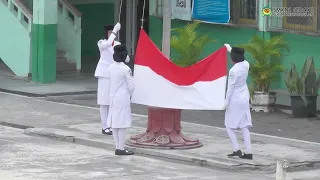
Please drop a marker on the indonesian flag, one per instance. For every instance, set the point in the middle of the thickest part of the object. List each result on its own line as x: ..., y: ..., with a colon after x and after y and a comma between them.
x: 160, y: 83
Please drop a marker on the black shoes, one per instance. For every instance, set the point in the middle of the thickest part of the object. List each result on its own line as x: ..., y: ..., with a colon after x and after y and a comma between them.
x: 239, y: 154
x: 107, y: 131
x: 246, y: 156
x: 123, y: 152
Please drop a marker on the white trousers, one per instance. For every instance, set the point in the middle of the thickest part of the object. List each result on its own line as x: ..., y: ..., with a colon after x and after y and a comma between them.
x: 104, y: 111
x: 246, y: 138
x: 119, y: 136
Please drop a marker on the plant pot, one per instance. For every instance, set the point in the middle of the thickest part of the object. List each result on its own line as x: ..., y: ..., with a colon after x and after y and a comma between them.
x: 263, y: 101
x: 301, y: 109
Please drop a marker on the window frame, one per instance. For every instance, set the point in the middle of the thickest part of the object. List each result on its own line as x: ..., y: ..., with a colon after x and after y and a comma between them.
x: 159, y: 3
x: 300, y: 27
x: 246, y: 21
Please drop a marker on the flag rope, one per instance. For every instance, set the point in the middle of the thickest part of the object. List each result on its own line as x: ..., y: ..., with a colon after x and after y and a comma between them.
x: 143, y: 11
x: 120, y: 10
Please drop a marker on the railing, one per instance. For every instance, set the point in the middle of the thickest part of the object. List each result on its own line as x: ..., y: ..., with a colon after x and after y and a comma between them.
x: 69, y: 31
x: 22, y: 13
x: 70, y: 12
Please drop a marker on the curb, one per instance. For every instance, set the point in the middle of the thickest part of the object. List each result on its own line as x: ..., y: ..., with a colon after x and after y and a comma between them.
x: 18, y: 126
x: 138, y: 151
x: 48, y: 94
x: 214, y: 164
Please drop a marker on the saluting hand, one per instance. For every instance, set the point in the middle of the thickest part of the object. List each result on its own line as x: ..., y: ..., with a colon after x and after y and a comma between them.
x: 117, y: 28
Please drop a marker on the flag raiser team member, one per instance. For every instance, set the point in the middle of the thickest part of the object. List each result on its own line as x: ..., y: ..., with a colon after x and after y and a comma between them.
x: 106, y: 52
x: 121, y: 89
x: 237, y: 102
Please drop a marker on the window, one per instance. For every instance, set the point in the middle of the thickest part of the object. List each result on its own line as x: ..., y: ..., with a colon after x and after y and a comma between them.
x: 244, y: 12
x: 159, y: 8
x: 301, y: 23
x: 248, y: 11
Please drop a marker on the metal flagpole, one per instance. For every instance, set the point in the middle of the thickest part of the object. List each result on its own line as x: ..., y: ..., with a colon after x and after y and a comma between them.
x: 166, y: 32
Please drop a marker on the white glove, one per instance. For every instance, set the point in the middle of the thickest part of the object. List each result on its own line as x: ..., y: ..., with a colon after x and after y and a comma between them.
x: 228, y: 47
x: 225, y: 106
x: 127, y: 59
x: 116, y: 28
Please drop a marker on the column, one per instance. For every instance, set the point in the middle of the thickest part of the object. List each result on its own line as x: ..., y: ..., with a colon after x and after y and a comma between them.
x: 44, y: 41
x: 262, y: 20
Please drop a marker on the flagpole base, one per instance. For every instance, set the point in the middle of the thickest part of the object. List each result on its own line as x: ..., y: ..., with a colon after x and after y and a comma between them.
x: 163, y: 131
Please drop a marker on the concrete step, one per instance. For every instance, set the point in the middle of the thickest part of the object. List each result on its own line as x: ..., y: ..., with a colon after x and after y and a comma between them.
x: 61, y: 54
x: 63, y: 65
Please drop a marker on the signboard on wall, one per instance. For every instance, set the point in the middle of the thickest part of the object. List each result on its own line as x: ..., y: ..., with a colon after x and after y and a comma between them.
x: 212, y: 11
x: 181, y: 9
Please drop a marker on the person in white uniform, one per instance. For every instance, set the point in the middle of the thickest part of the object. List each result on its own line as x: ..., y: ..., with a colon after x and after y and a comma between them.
x: 237, y: 105
x: 106, y: 52
x: 121, y: 89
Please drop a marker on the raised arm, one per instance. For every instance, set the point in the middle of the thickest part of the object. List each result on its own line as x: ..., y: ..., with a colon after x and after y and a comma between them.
x: 231, y: 83
x: 130, y: 81
x: 102, y: 44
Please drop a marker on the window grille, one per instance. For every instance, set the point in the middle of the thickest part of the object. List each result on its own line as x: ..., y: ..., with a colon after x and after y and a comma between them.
x: 295, y: 16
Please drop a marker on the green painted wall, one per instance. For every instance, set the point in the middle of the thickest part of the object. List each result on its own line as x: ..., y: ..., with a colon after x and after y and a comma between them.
x: 28, y: 4
x: 301, y: 47
x: 95, y: 16
x: 44, y: 41
x: 44, y: 53
x: 14, y: 43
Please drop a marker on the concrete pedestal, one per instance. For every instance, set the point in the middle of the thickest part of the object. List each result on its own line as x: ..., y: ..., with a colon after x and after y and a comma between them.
x: 163, y: 131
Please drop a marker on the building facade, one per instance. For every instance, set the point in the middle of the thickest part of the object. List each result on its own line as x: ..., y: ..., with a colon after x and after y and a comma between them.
x: 42, y: 38
x: 302, y: 34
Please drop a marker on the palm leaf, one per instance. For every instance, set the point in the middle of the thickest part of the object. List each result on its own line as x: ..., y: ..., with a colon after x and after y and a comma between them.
x: 266, y: 65
x: 188, y: 44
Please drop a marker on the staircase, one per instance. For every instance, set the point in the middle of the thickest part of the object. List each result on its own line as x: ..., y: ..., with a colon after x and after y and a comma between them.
x: 15, y: 35
x: 63, y: 65
x: 68, y: 37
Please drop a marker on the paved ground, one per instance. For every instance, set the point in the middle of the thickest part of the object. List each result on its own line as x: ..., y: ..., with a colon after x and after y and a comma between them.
x: 30, y: 158
x: 84, y: 123
x: 275, y: 123
x: 65, y: 84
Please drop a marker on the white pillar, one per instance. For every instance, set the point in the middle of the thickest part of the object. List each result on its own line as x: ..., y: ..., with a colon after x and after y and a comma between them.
x: 166, y: 32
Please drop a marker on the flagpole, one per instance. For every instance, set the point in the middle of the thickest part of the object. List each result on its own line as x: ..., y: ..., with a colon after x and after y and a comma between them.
x: 164, y: 124
x: 166, y: 31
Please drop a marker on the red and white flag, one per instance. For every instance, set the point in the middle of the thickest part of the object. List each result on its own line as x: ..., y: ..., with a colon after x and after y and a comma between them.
x: 160, y: 83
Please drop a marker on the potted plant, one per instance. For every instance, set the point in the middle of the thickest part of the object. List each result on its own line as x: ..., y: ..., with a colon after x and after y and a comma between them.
x: 264, y: 69
x: 303, y: 89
